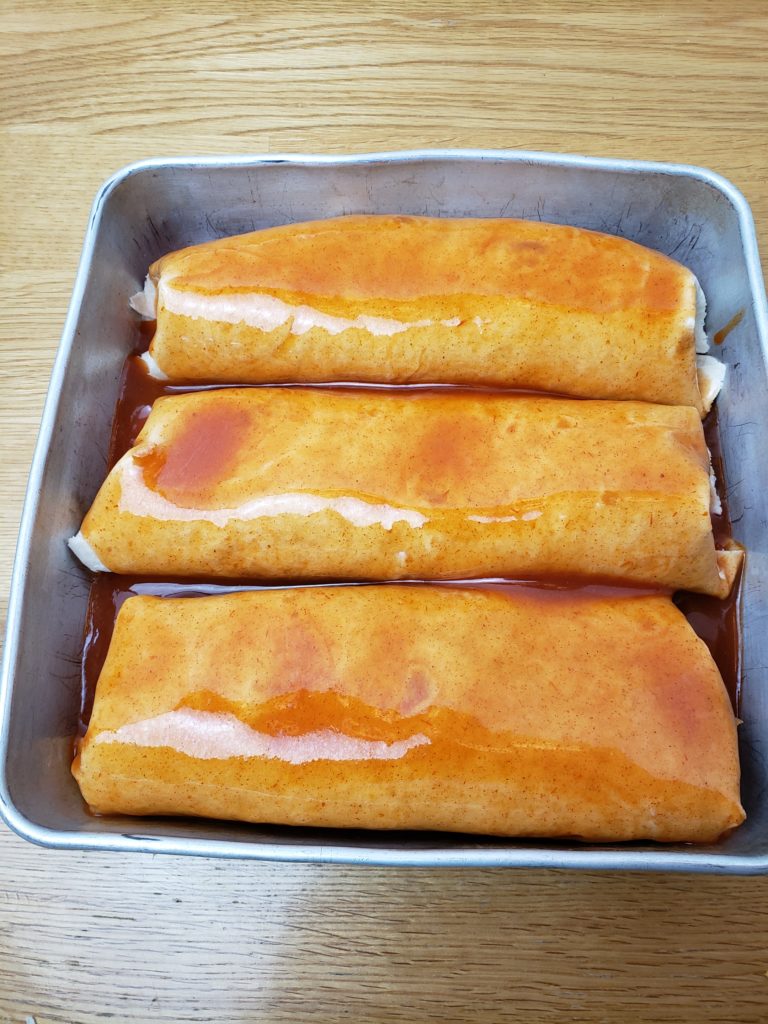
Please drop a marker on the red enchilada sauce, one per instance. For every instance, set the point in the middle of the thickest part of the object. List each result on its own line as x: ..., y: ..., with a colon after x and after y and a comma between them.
x: 723, y: 333
x: 715, y: 620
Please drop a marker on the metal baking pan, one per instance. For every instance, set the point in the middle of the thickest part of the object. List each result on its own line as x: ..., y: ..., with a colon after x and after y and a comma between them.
x: 152, y: 207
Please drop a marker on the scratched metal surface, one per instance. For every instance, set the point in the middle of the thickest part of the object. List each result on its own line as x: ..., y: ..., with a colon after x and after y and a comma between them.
x: 153, y: 207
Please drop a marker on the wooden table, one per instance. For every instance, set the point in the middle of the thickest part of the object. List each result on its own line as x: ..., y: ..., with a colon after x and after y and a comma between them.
x: 91, y: 86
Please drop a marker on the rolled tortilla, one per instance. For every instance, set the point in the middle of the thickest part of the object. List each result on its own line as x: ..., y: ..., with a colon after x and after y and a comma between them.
x: 364, y: 484
x: 393, y: 299
x: 519, y: 713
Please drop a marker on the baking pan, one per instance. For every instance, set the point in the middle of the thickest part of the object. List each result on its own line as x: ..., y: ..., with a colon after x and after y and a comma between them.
x: 152, y: 207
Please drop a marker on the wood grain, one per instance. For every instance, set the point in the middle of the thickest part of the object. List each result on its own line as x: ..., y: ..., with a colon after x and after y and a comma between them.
x: 91, y: 86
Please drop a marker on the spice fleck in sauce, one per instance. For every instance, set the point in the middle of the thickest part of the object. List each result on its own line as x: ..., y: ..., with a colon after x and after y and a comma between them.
x: 715, y: 621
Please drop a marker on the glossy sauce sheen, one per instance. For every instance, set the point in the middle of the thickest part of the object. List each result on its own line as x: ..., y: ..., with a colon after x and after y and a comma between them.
x: 416, y: 706
x: 359, y: 258
x: 270, y: 483
x: 404, y: 300
x: 715, y: 621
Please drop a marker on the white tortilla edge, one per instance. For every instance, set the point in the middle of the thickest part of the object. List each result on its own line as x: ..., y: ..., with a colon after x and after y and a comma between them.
x: 153, y: 369
x: 699, y: 334
x: 711, y: 374
x: 145, y: 302
x: 82, y: 550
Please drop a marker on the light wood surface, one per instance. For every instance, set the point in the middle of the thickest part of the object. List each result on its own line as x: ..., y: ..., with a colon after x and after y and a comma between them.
x: 88, y: 87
